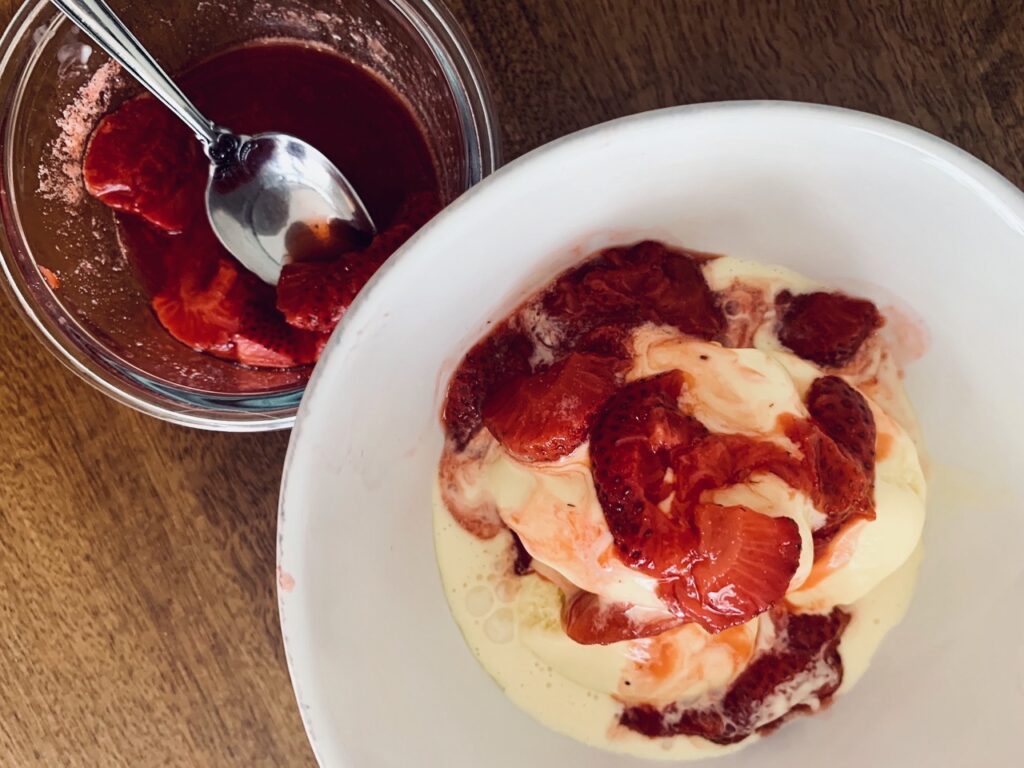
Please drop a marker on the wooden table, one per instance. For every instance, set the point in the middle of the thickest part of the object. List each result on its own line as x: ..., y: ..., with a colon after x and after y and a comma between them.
x: 138, y: 622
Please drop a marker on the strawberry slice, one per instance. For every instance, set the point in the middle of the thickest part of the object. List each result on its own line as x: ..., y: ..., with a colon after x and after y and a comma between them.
x: 844, y: 415
x: 745, y: 562
x: 548, y: 414
x: 682, y: 296
x: 310, y: 295
x: 197, y: 310
x: 502, y: 355
x: 314, y: 295
x: 844, y: 489
x: 264, y: 339
x: 144, y: 161
x: 632, y: 444
x: 269, y: 344
x: 591, y: 620
x: 625, y: 287
x: 841, y: 446
x: 826, y: 328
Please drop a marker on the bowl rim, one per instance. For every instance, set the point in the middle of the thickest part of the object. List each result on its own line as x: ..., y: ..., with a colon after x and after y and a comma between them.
x: 443, y: 37
x: 982, y: 177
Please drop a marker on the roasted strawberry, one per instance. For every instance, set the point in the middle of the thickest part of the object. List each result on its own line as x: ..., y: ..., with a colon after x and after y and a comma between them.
x: 844, y: 415
x: 632, y: 444
x: 844, y: 489
x: 199, y: 289
x: 265, y: 340
x: 838, y: 443
x: 277, y: 345
x: 826, y: 328
x: 310, y: 295
x: 547, y: 414
x: 143, y: 160
x: 504, y: 354
x: 745, y: 562
x: 624, y: 287
x: 198, y: 309
x: 682, y: 297
x: 314, y: 295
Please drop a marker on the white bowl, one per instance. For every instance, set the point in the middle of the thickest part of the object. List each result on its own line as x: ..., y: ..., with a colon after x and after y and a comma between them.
x: 380, y: 670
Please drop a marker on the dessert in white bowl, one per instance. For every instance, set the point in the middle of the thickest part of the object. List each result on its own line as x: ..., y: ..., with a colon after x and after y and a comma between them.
x: 680, y: 499
x: 382, y: 673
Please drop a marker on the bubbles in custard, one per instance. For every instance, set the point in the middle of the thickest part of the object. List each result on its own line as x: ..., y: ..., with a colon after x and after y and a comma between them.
x: 507, y: 590
x: 479, y: 601
x: 500, y: 627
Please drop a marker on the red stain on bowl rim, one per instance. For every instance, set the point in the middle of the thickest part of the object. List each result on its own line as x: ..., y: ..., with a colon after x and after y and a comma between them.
x: 285, y: 581
x: 908, y: 336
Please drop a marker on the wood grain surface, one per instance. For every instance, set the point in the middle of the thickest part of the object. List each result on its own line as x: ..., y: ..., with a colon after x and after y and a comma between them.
x: 138, y: 622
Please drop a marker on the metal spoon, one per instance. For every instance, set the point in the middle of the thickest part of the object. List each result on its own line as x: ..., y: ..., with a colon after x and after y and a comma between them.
x: 260, y: 186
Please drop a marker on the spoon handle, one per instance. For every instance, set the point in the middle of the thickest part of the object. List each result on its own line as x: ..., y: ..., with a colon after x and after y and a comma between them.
x: 96, y: 19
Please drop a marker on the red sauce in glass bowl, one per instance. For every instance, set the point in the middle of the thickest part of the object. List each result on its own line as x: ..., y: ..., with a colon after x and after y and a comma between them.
x: 146, y: 165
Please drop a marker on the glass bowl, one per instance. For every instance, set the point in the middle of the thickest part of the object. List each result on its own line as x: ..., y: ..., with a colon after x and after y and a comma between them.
x: 61, y: 259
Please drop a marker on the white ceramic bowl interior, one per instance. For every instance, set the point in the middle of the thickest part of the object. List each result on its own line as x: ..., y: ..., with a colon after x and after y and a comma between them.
x: 382, y: 675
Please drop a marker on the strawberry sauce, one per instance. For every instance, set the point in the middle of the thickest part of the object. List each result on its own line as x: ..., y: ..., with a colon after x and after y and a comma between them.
x: 551, y: 377
x: 148, y: 167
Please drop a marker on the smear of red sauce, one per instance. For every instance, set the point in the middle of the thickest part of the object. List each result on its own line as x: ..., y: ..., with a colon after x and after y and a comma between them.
x: 591, y: 620
x: 285, y: 581
x: 834, y: 555
x: 883, y: 445
x: 908, y: 335
x: 145, y: 164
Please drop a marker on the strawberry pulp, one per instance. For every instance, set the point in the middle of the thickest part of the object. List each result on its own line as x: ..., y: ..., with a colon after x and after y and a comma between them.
x: 146, y: 165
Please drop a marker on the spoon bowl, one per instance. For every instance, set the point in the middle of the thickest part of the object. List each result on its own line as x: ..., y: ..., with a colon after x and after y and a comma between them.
x: 265, y: 188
